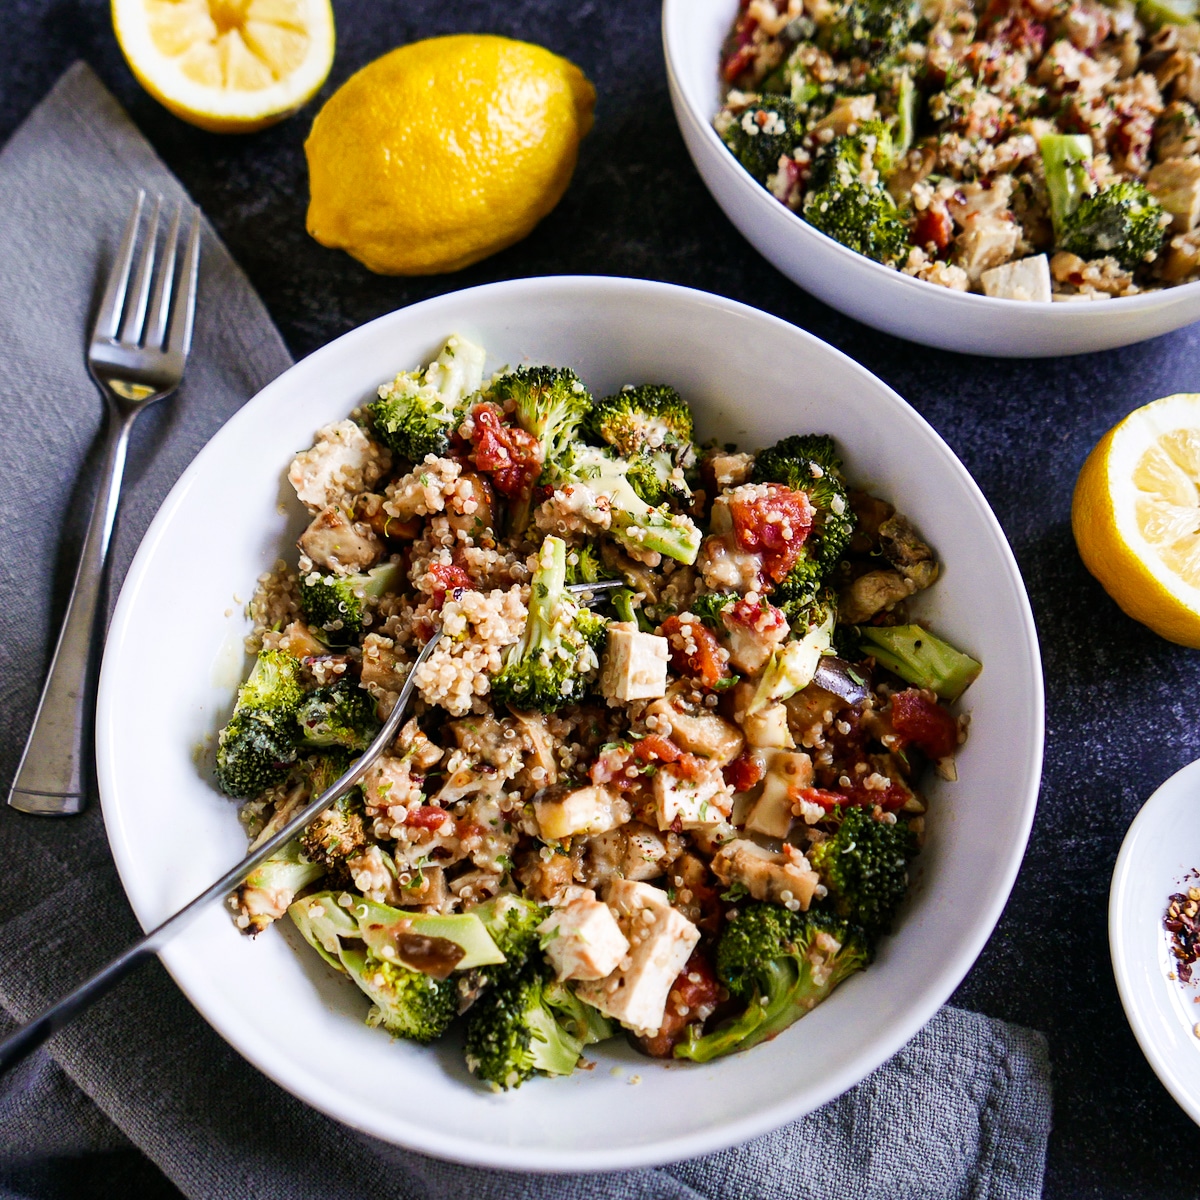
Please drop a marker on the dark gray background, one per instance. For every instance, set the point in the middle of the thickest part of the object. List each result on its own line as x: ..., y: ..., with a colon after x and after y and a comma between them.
x: 1120, y: 715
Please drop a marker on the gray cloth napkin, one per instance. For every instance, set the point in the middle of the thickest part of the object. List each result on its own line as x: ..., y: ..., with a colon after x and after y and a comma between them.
x: 962, y: 1111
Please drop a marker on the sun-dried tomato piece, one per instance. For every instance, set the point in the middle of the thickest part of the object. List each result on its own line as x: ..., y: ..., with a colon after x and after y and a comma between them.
x: 427, y: 816
x: 692, y: 997
x: 924, y: 722
x: 655, y: 748
x: 934, y: 227
x: 773, y: 523
x: 695, y: 651
x: 447, y: 578
x: 744, y: 772
x: 511, y: 456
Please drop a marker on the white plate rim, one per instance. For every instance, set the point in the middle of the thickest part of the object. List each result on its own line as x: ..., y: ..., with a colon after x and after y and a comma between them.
x: 458, y: 1149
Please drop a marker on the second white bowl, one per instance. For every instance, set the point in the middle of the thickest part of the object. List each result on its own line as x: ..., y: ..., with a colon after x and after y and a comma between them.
x: 693, y: 31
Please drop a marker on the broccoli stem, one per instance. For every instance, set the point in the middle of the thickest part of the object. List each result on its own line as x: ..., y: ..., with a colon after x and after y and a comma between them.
x: 920, y: 658
x: 1065, y: 158
x: 906, y: 115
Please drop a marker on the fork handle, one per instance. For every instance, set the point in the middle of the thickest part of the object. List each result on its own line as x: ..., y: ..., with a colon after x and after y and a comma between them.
x: 51, y: 780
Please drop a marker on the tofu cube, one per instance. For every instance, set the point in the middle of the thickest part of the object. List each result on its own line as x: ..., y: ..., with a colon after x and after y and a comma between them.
x: 336, y: 544
x: 582, y: 939
x: 1025, y: 279
x: 785, y: 878
x: 1175, y: 184
x: 563, y: 812
x: 690, y: 801
x: 661, y: 940
x: 788, y: 775
x: 635, y: 664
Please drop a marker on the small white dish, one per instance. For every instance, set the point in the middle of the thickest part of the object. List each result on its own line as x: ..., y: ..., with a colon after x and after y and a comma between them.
x: 693, y: 32
x: 174, y: 657
x: 1158, y: 856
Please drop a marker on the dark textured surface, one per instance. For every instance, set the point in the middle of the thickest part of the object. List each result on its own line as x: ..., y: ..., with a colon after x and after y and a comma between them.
x: 1120, y: 702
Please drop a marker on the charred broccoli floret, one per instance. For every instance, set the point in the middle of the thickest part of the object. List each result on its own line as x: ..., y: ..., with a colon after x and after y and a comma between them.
x: 710, y: 606
x: 417, y: 411
x: 1123, y: 222
x: 864, y: 865
x: 847, y: 199
x: 339, y: 714
x: 333, y: 605
x: 870, y: 29
x: 557, y: 658
x: 515, y: 1030
x: 920, y: 658
x: 639, y: 526
x: 809, y: 463
x: 763, y: 133
x: 338, y: 833
x: 782, y: 964
x: 257, y: 746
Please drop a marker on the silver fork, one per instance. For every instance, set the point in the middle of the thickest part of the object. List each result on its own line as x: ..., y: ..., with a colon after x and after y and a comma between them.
x: 136, y: 355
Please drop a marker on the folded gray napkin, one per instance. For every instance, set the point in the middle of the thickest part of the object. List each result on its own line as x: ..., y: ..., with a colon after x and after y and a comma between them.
x: 962, y: 1111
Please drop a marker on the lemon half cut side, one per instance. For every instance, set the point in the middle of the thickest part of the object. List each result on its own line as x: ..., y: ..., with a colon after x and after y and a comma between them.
x: 229, y: 66
x: 1136, y: 516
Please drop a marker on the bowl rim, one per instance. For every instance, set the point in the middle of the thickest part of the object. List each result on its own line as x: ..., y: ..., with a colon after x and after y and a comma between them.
x: 454, y: 1147
x: 1070, y: 312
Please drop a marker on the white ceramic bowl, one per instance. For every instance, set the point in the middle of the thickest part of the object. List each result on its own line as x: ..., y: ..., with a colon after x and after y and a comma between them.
x: 751, y: 378
x: 693, y: 32
x: 1160, y: 850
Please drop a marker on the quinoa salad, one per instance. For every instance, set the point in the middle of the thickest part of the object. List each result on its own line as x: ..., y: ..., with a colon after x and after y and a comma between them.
x: 661, y: 776
x: 1025, y: 149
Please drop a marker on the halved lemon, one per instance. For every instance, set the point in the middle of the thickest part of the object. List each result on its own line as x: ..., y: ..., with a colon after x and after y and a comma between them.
x: 1136, y: 516
x: 230, y: 66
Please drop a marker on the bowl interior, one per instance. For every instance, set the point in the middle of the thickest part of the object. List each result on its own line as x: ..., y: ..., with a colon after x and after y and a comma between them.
x: 751, y: 379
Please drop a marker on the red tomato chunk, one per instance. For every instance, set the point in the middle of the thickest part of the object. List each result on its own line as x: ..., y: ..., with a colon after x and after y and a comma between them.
x: 511, y: 456
x: 692, y: 997
x: 447, y: 578
x: 695, y: 652
x: 924, y: 722
x: 773, y: 526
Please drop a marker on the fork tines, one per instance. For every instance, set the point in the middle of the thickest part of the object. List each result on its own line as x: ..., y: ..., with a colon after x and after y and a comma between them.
x: 162, y: 321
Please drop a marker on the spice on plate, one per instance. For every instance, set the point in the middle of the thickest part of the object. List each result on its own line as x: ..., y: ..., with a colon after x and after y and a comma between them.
x: 1182, y: 922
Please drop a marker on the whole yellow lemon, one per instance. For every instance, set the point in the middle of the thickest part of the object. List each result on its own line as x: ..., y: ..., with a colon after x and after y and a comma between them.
x: 445, y: 151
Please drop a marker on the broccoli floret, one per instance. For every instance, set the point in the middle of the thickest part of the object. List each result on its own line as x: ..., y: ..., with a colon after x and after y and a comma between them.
x: 273, y: 884
x: 920, y: 658
x: 650, y: 428
x: 408, y: 1004
x: 870, y: 29
x: 639, y: 526
x: 417, y: 411
x: 783, y: 964
x: 1157, y: 13
x: 582, y: 1021
x: 809, y: 463
x: 513, y: 1031
x: 864, y: 864
x: 333, y: 605
x: 585, y: 566
x: 512, y: 922
x: 710, y: 606
x: 763, y: 133
x: 557, y: 658
x: 1124, y: 221
x: 863, y: 218
x: 338, y: 833
x: 339, y: 714
x: 636, y: 419
x: 257, y: 746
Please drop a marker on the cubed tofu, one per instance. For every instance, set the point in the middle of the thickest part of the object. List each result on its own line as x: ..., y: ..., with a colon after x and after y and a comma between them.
x: 987, y: 240
x: 582, y: 939
x: 335, y: 543
x: 1175, y: 184
x: 341, y: 462
x: 702, y: 732
x: 767, y: 729
x: 635, y: 851
x: 564, y: 812
x: 781, y: 878
x: 635, y: 664
x: 1025, y: 279
x: 692, y: 800
x: 661, y: 941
